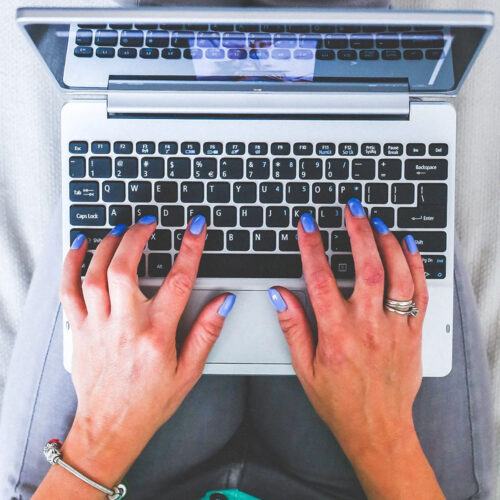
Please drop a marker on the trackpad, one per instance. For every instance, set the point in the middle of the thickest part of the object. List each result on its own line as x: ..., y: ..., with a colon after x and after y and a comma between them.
x: 251, y: 332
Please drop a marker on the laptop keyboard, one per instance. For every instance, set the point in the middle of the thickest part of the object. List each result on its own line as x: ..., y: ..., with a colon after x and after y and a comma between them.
x: 253, y: 194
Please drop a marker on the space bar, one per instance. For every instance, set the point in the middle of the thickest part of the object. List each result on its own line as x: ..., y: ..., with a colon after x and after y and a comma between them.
x: 230, y: 265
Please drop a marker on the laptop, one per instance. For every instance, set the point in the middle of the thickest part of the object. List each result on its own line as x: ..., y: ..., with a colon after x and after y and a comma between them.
x: 252, y: 117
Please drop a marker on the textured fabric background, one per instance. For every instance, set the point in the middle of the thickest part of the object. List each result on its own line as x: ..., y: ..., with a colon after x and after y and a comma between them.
x: 29, y: 171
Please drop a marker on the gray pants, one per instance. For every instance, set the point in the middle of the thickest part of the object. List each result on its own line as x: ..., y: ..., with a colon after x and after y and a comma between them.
x: 258, y: 434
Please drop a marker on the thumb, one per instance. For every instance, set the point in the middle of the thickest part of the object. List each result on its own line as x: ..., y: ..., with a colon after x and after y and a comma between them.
x: 203, y: 335
x: 295, y: 326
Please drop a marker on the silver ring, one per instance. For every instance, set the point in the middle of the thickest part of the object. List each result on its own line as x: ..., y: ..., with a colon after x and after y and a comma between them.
x: 403, y: 307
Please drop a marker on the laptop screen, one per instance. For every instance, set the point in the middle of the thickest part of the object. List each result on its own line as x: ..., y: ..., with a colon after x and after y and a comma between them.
x: 371, y: 52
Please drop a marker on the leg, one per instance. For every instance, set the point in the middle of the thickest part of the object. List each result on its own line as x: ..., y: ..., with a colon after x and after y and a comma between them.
x: 40, y: 402
x: 453, y: 417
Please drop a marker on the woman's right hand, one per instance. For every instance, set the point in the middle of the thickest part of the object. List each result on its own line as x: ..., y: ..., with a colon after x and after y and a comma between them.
x: 365, y: 370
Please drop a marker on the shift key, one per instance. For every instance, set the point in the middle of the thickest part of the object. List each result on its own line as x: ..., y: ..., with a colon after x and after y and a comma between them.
x: 426, y: 169
x: 426, y: 216
x: 87, y: 215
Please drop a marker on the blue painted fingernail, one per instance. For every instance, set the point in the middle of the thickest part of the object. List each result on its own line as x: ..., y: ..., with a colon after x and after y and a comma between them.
x: 277, y: 300
x: 78, y: 241
x: 118, y: 230
x: 356, y: 208
x: 308, y: 222
x: 410, y: 243
x: 147, y: 219
x: 197, y: 224
x: 227, y: 305
x: 380, y: 226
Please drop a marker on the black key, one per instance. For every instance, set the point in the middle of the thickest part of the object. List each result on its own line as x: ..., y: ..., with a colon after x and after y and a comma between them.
x: 126, y: 167
x: 257, y: 148
x: 199, y: 210
x: 251, y: 216
x: 166, y: 192
x: 432, y: 194
x: 340, y: 241
x: 123, y: 148
x: 322, y: 28
x: 172, y: 216
x: 113, y: 191
x: 389, y: 169
x: 218, y: 192
x: 87, y: 215
x: 86, y: 263
x: 264, y: 241
x: 393, y: 149
x: 146, y: 26
x: 204, y: 168
x: 433, y: 54
x: 238, y: 241
x: 244, y: 192
x: 161, y: 239
x: 297, y: 192
x: 94, y: 236
x: 427, y: 241
x: 77, y: 166
x: 235, y: 148
x: 141, y: 268
x: 343, y: 266
x: 415, y: 149
x: 280, y: 148
x: 402, y: 194
x: 184, y: 39
x: 100, y: 167
x: 387, y: 41
x: 257, y: 168
x: 336, y: 41
x: 348, y: 28
x: 84, y: 37
x: 438, y: 149
x: 298, y: 211
x: 363, y: 169
x: 231, y: 168
x: 302, y: 149
x: 105, y: 52
x: 384, y: 213
x: 325, y: 149
x: 348, y: 149
x: 413, y: 55
x: 277, y: 216
x: 370, y: 149
x: 132, y: 38
x: 288, y: 241
x: 337, y: 168
x: 325, y: 55
x: 224, y: 216
x: 120, y: 214
x: 153, y: 168
x: 156, y: 38
x: 270, y: 192
x: 434, y: 266
x: 284, y: 168
x: 127, y: 53
x: 323, y: 192
x: 298, y: 28
x: 168, y: 148
x: 426, y: 169
x: 159, y: 264
x: 178, y: 235
x: 376, y: 193
x: 391, y: 55
x: 179, y: 168
x: 192, y: 192
x: 425, y: 216
x: 347, y: 55
x: 214, y: 240
x: 348, y: 190
x: 212, y: 148
x: 84, y: 51
x: 369, y: 55
x: 422, y: 40
x: 78, y: 147
x: 310, y: 168
x: 311, y: 41
x: 145, y: 148
x: 149, y: 53
x: 272, y: 28
x: 250, y: 266
x: 171, y: 53
x: 329, y: 217
x: 190, y: 148
x: 361, y: 41
x: 84, y: 191
x: 142, y: 210
x: 106, y: 38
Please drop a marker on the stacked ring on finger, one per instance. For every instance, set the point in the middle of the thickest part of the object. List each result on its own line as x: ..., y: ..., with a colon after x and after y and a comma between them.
x: 403, y: 307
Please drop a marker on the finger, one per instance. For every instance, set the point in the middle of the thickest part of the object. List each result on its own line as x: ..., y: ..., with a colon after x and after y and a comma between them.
x: 399, y: 281
x: 122, y: 270
x: 202, y: 337
x: 95, y: 284
x: 70, y: 291
x: 369, y: 282
x: 175, y: 291
x: 321, y: 285
x: 295, y: 326
x: 421, y: 293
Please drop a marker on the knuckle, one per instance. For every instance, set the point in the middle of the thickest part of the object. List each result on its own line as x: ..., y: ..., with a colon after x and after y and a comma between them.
x: 290, y: 328
x: 180, y: 283
x: 372, y: 273
x: 210, y: 330
x: 93, y: 285
x: 117, y: 272
x: 332, y: 355
x: 424, y: 298
x: 321, y: 282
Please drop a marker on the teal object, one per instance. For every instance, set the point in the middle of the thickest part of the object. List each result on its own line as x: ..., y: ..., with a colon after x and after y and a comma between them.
x: 230, y: 495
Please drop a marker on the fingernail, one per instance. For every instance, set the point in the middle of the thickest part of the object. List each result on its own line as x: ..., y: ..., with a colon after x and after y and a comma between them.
x: 118, y: 230
x: 410, y: 243
x: 308, y: 222
x: 380, y: 226
x: 356, y: 208
x: 78, y: 241
x: 227, y: 305
x: 197, y: 224
x: 147, y: 219
x: 277, y: 300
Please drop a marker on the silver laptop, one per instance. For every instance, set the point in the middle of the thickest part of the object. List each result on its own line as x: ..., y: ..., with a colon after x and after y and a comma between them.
x: 251, y: 117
